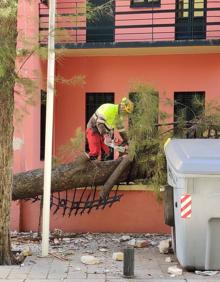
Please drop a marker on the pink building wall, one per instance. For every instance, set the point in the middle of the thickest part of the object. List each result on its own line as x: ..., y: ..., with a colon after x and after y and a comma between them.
x: 148, y: 17
x: 213, y: 17
x: 27, y: 117
x: 124, y: 216
x: 167, y: 73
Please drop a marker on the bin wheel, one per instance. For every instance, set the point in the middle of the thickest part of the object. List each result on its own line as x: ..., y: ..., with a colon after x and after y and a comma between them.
x: 168, y: 206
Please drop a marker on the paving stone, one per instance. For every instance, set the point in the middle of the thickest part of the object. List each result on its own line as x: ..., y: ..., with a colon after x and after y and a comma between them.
x: 58, y: 270
x: 173, y: 279
x: 95, y: 268
x: 17, y: 276
x: 76, y: 275
x: 203, y: 279
x: 13, y: 280
x: 84, y: 280
x: 40, y: 280
x: 22, y: 269
x: 43, y: 280
x: 37, y: 275
x: 127, y: 280
x: 4, y: 272
x: 96, y: 276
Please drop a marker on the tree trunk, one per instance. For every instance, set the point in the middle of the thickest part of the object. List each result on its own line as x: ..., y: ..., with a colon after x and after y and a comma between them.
x: 6, y: 137
x: 115, y: 176
x: 8, y: 35
x: 73, y: 175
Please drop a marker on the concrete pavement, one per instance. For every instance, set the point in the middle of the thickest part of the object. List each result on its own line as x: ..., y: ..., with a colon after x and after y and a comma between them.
x: 150, y: 265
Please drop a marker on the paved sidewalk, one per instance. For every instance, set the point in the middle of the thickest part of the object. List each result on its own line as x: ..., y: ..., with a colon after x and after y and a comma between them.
x: 150, y: 265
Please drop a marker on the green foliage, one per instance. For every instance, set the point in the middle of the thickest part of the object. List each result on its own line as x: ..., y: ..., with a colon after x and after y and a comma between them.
x: 149, y: 129
x: 8, y: 34
x: 93, y: 11
x: 77, y: 80
x: 145, y: 138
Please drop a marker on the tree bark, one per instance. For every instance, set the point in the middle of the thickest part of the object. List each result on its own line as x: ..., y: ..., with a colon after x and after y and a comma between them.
x: 8, y: 35
x: 114, y: 178
x: 67, y: 176
x: 6, y: 136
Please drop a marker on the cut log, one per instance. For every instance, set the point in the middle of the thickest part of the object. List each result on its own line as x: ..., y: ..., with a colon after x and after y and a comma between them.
x: 114, y: 178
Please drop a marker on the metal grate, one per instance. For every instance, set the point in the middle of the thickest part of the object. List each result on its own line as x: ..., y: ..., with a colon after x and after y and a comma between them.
x: 79, y: 203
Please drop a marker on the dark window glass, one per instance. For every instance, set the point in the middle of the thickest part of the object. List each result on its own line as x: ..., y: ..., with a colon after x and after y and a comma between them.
x: 190, y: 22
x: 145, y: 3
x: 42, y: 124
x: 100, y: 26
x: 44, y: 2
x: 188, y: 106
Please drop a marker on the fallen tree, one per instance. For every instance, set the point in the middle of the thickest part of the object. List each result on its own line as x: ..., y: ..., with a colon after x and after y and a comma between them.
x: 83, y: 172
x: 80, y: 173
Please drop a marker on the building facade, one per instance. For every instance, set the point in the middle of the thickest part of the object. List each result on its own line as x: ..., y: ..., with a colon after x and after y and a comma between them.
x: 171, y: 45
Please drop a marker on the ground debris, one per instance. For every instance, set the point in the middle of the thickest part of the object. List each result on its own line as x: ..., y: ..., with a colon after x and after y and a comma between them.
x: 174, y: 270
x: 118, y: 256
x: 168, y: 259
x: 206, y: 272
x: 72, y: 244
x: 125, y: 238
x: 90, y: 260
x: 139, y: 243
x: 165, y: 246
x: 59, y: 256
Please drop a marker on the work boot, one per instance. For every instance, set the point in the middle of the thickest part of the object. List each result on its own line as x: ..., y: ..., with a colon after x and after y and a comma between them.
x: 93, y: 158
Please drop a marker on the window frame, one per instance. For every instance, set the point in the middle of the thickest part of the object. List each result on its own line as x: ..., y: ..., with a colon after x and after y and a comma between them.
x: 98, y: 98
x: 183, y: 101
x: 145, y: 4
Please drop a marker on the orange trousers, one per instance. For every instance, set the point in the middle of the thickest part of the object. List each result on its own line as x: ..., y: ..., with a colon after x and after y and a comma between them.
x: 96, y: 144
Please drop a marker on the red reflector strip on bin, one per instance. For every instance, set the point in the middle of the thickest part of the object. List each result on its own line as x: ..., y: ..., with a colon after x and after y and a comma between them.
x: 186, y: 206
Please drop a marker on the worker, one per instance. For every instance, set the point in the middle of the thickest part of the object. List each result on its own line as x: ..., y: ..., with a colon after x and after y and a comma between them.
x: 100, y: 128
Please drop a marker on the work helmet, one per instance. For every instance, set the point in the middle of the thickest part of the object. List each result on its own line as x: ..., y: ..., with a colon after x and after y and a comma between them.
x: 126, y: 105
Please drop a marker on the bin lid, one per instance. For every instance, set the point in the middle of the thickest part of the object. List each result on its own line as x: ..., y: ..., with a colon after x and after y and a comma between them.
x: 194, y: 156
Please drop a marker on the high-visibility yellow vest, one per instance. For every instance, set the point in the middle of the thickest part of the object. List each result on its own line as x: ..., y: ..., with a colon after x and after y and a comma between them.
x: 110, y: 114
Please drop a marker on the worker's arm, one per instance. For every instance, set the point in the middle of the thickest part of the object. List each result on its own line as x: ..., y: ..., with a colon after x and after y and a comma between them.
x: 102, y: 128
x: 121, y: 130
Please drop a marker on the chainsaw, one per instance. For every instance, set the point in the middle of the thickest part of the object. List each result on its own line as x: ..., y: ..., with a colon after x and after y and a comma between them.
x: 119, y: 148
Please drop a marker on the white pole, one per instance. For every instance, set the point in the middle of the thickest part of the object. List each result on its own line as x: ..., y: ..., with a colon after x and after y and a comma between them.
x: 49, y: 128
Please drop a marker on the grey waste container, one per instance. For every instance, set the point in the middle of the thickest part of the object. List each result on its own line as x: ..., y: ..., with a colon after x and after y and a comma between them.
x: 193, y: 170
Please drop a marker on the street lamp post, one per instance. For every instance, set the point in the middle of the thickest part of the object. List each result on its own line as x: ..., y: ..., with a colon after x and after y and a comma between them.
x: 49, y: 128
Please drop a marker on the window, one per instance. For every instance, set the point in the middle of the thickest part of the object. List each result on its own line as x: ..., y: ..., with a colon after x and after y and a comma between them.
x: 187, y: 106
x: 183, y: 9
x: 199, y: 6
x: 42, y: 124
x: 44, y: 2
x: 100, y: 27
x: 145, y: 3
x: 93, y: 101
